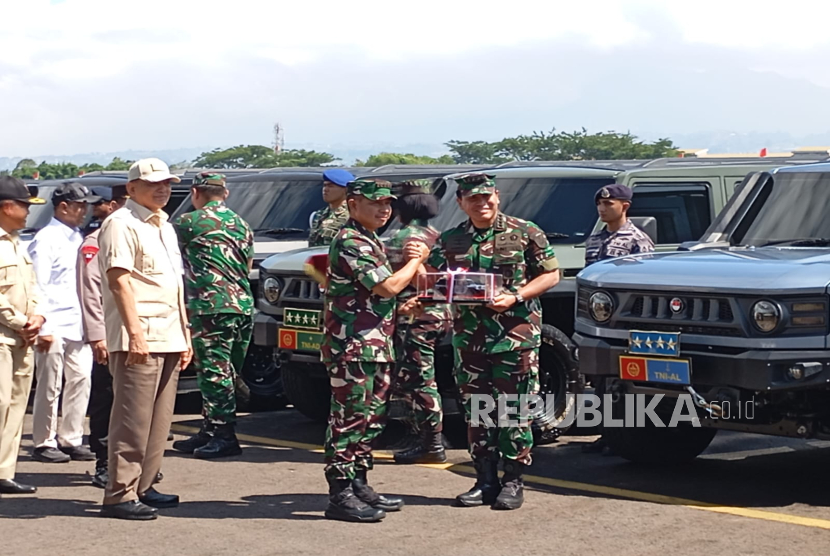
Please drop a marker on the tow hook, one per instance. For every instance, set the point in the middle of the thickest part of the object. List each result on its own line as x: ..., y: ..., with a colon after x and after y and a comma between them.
x: 713, y: 409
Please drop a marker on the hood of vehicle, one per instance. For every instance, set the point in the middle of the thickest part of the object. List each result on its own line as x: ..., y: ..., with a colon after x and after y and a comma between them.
x: 736, y: 270
x: 291, y: 261
x: 264, y: 248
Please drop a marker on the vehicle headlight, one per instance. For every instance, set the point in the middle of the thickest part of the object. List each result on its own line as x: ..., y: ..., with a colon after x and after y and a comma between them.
x: 271, y: 289
x: 766, y: 315
x: 601, y: 306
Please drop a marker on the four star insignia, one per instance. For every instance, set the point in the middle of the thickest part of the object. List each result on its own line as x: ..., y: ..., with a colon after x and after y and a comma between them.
x: 651, y: 342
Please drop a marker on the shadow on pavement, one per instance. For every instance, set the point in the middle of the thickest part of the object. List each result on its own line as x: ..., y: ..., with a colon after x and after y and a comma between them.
x: 31, y: 507
x: 304, y: 507
x: 758, y: 481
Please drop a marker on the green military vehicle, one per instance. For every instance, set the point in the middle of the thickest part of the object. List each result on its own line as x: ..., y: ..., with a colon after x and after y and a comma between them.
x: 675, y: 200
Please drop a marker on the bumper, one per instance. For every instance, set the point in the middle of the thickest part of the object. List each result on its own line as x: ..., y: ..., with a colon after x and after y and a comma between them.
x: 265, y: 330
x: 187, y: 385
x: 266, y: 334
x: 756, y: 370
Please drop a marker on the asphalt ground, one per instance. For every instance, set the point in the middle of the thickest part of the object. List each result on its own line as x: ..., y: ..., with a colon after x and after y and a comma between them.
x: 746, y: 495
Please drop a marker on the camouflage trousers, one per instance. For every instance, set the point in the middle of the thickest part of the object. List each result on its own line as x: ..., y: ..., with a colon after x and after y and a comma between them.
x: 220, y: 342
x: 415, y: 347
x: 359, y: 395
x: 497, y: 374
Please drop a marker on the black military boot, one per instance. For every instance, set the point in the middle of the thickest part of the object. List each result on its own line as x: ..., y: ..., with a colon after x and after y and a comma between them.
x: 487, y: 485
x: 345, y: 506
x: 222, y: 445
x: 367, y: 494
x: 511, y: 496
x: 430, y: 450
x: 197, y: 440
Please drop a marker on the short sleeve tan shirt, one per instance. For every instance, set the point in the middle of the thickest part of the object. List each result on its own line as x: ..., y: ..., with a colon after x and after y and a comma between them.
x: 144, y: 243
x: 18, y: 288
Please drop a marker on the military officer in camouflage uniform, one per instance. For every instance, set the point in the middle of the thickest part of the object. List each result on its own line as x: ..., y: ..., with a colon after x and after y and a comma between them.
x: 618, y: 238
x: 218, y: 248
x: 357, y: 348
x: 416, y: 338
x: 497, y: 346
x: 325, y: 223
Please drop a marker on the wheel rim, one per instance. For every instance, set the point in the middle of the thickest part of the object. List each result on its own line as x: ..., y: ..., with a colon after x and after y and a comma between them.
x: 553, y: 380
x: 261, y: 373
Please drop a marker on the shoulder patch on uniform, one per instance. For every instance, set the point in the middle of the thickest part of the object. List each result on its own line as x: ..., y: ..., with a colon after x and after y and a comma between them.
x: 89, y: 252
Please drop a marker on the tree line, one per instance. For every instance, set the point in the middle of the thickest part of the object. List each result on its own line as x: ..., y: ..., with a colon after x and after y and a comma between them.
x: 29, y: 169
x: 540, y: 145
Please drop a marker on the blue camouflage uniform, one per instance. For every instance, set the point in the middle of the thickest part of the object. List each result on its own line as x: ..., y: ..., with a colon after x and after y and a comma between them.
x: 628, y: 240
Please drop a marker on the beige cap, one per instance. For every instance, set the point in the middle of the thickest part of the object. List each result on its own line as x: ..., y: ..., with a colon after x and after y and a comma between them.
x: 152, y: 170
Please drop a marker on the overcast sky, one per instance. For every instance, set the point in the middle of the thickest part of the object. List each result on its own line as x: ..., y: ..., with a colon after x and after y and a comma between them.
x: 103, y: 75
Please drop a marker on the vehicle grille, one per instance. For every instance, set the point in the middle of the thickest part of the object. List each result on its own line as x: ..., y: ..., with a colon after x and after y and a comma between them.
x: 695, y: 309
x: 301, y: 288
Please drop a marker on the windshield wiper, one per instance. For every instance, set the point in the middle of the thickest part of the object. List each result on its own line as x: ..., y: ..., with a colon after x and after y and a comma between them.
x: 278, y: 231
x: 802, y: 242
x: 556, y: 235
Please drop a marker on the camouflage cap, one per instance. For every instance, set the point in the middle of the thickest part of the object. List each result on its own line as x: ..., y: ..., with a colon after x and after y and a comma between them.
x: 616, y: 191
x: 208, y: 178
x: 371, y: 189
x: 412, y: 187
x: 475, y: 184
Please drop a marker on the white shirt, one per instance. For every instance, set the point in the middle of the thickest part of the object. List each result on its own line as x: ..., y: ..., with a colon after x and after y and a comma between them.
x: 54, y: 252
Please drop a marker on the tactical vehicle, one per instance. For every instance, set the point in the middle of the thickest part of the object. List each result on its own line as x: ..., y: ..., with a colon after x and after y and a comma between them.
x: 744, y: 311
x: 675, y: 200
x: 277, y: 204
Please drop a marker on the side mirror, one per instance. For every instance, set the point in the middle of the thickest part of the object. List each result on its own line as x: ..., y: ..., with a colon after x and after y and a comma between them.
x: 648, y: 224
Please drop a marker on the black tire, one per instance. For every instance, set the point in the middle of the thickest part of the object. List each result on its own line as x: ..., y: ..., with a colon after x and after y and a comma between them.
x: 558, y: 375
x: 651, y: 444
x: 263, y: 378
x: 309, y: 394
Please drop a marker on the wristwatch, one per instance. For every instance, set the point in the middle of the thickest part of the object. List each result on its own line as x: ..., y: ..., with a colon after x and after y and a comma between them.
x: 519, y: 298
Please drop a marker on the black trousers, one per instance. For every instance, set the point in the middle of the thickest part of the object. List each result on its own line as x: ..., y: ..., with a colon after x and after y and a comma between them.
x: 100, y: 407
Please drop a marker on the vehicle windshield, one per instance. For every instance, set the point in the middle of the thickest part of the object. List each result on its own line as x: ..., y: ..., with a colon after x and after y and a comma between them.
x: 272, y: 207
x: 563, y: 207
x: 792, y: 211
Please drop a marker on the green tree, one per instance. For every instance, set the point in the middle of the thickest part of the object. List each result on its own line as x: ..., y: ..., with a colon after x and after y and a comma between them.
x: 26, y: 164
x: 553, y: 145
x: 258, y: 156
x: 118, y: 165
x: 60, y: 170
x: 300, y: 157
x: 92, y: 167
x: 382, y: 159
x: 475, y: 152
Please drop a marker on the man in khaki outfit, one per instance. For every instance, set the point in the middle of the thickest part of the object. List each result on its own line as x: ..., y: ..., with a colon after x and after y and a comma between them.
x: 19, y: 327
x: 147, y: 338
